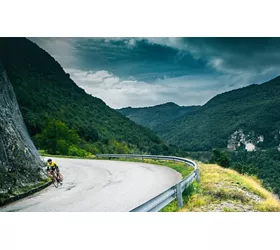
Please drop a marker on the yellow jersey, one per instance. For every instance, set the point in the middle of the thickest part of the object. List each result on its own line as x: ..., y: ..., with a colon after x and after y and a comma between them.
x: 51, y: 164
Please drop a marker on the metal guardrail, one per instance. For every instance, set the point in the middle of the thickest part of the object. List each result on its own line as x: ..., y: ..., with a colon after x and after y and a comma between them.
x: 175, y: 192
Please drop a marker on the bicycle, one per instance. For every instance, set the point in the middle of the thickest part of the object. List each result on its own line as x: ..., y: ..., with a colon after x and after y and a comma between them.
x: 55, y: 179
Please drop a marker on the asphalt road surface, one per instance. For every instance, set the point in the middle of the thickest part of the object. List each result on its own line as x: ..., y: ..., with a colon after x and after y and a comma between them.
x: 99, y: 186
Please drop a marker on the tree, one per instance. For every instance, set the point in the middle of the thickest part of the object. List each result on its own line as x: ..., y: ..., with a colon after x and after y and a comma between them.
x: 220, y: 158
x: 56, y: 138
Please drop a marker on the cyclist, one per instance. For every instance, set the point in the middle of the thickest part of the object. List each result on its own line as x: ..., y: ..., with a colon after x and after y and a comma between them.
x: 51, y: 166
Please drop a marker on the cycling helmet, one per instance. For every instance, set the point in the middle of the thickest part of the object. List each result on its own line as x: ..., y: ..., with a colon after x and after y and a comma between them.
x: 49, y: 160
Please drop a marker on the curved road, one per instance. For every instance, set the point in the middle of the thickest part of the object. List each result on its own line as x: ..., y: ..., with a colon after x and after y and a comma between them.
x: 99, y: 186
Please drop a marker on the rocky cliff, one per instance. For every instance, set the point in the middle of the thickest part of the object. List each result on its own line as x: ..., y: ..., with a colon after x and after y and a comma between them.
x: 20, y: 163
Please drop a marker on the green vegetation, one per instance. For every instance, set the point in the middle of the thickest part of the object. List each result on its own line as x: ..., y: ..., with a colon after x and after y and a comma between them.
x: 254, y: 109
x: 226, y: 190
x: 155, y: 116
x: 48, y: 97
x: 220, y: 158
x: 43, y: 153
x: 63, y: 120
x: 187, y: 194
x: 263, y: 164
x: 57, y: 138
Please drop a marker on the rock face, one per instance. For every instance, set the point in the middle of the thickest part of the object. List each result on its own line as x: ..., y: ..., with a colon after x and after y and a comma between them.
x: 250, y: 141
x: 20, y: 163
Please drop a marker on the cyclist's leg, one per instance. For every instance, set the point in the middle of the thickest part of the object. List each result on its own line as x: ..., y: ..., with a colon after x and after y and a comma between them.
x: 49, y: 174
x: 59, y: 175
x: 52, y: 173
x: 54, y: 178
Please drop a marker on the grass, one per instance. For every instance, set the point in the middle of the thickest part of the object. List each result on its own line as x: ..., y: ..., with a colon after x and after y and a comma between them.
x: 43, y: 153
x: 226, y: 190
x: 187, y: 194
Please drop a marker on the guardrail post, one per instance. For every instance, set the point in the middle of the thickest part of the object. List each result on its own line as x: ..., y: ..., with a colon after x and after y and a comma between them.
x: 179, y: 196
x: 197, y: 176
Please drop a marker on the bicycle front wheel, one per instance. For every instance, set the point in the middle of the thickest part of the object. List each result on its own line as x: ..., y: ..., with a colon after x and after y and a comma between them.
x: 55, y: 182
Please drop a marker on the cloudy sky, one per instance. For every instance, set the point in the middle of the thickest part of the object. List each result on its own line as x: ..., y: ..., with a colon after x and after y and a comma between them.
x: 140, y: 72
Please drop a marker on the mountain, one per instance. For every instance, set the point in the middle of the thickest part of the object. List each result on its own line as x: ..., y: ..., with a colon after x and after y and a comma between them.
x: 245, y: 117
x: 46, y: 92
x: 152, y: 117
x: 19, y: 159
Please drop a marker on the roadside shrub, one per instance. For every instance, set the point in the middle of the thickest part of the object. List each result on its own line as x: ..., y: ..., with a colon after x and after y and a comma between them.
x: 220, y: 158
x: 74, y: 151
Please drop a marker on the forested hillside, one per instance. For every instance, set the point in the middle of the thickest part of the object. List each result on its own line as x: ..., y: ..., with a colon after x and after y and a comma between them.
x: 49, y: 99
x: 250, y: 114
x: 229, y: 121
x: 264, y: 164
x: 152, y: 117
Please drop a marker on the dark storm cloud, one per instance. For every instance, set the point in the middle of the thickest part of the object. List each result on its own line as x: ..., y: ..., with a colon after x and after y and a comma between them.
x: 135, y: 57
x: 234, y: 54
x: 149, y: 71
x: 126, y: 57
